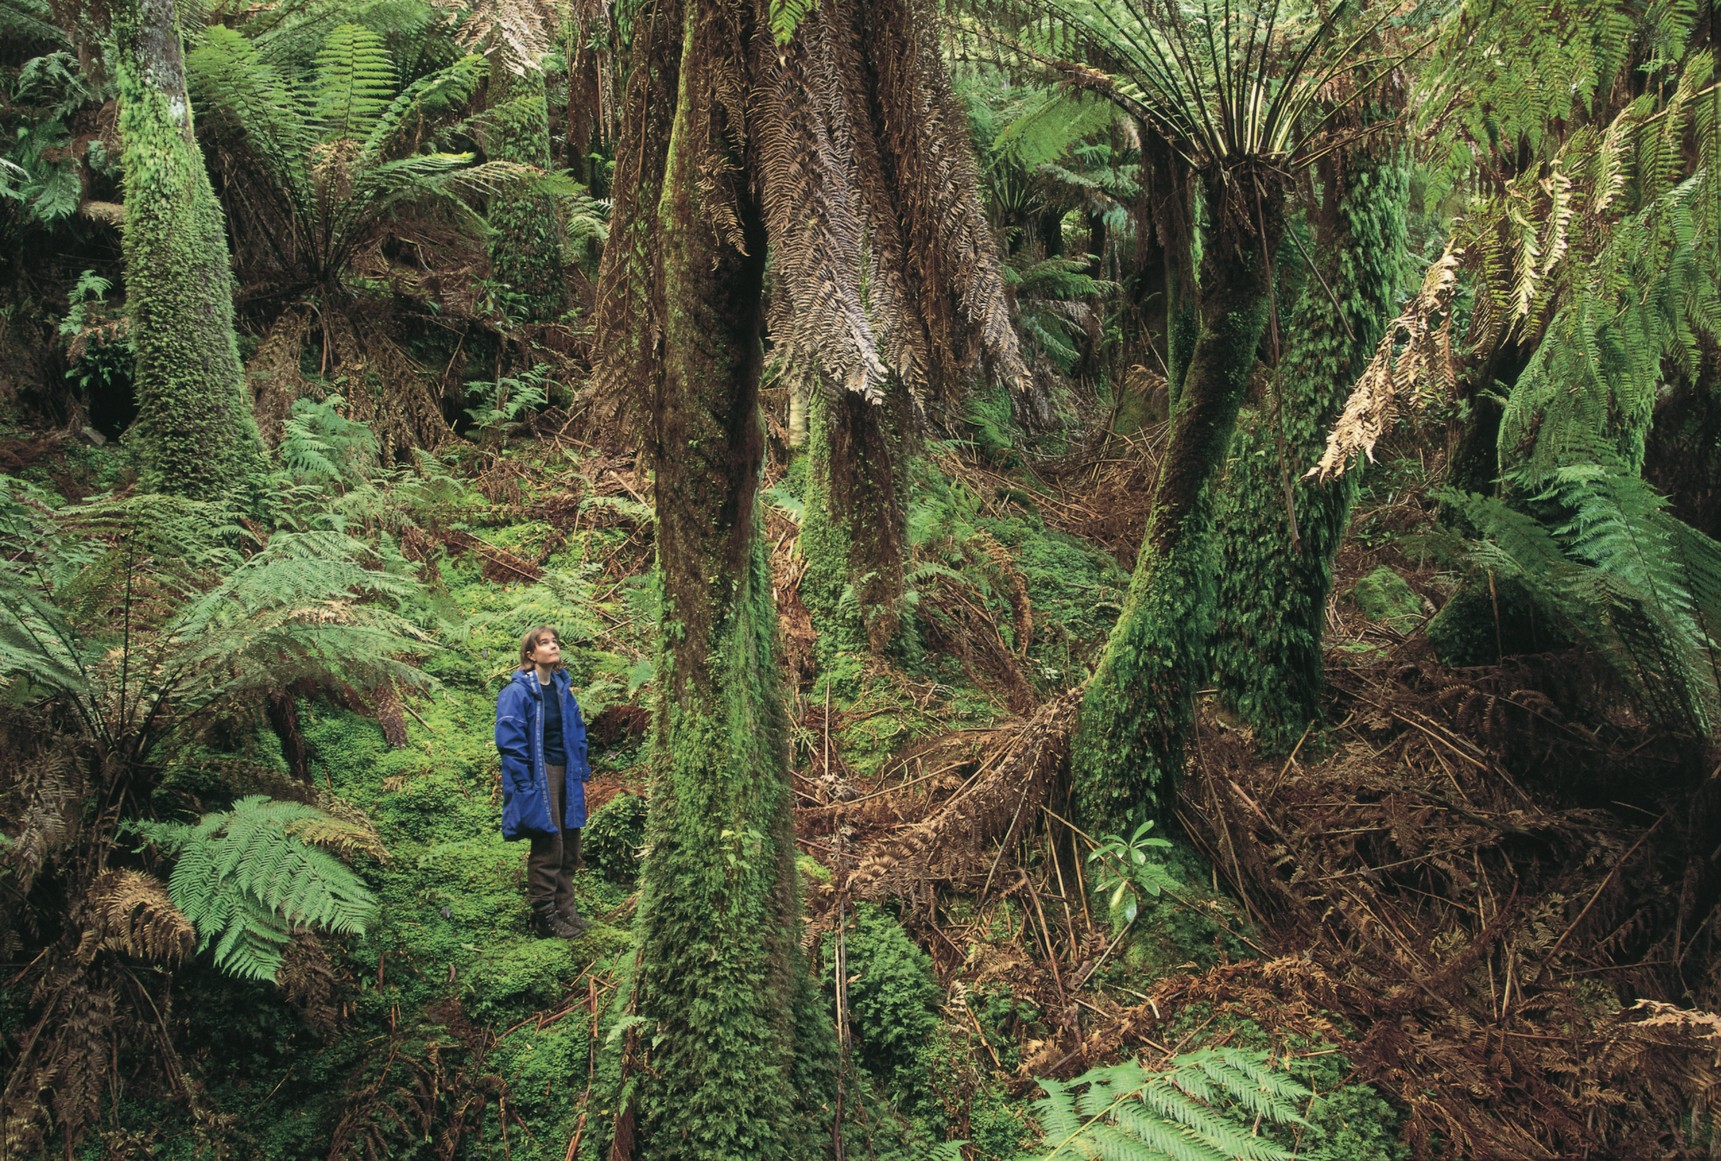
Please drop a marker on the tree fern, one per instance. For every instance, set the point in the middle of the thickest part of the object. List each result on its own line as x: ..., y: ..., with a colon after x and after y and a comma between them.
x: 1205, y: 1106
x: 248, y: 877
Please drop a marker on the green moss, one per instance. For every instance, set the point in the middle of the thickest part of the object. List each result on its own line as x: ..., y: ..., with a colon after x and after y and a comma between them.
x: 1384, y: 596
x: 826, y: 543
x: 614, y: 838
x: 1272, y: 586
x: 195, y: 434
x: 1488, y: 619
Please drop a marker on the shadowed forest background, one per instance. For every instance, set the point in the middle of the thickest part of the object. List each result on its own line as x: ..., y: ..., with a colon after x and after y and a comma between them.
x: 1142, y: 574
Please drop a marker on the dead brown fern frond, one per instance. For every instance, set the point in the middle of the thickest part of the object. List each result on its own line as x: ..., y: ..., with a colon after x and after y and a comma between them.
x: 129, y: 913
x: 956, y: 843
x: 1414, y: 356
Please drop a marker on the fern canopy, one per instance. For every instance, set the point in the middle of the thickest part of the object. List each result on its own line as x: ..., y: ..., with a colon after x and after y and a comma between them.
x: 249, y: 877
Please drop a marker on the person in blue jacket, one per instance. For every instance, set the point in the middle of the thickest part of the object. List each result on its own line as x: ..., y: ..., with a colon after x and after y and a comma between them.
x: 542, y: 739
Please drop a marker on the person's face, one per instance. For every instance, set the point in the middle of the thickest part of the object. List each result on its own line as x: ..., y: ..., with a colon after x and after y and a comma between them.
x: 547, y: 651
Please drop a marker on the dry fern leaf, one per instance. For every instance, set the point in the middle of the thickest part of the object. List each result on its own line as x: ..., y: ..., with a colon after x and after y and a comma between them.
x: 129, y: 912
x: 1415, y: 352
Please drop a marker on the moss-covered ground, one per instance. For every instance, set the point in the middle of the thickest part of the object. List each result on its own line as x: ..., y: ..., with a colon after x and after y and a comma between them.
x: 449, y: 1030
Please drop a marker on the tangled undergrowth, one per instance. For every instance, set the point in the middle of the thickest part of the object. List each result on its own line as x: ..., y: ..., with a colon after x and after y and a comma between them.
x: 1467, y: 919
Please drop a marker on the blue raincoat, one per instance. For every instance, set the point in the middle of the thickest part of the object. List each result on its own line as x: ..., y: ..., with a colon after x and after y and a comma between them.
x: 520, y: 738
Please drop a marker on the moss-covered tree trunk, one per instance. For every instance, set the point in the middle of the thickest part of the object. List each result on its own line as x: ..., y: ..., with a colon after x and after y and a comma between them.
x: 854, y: 532
x: 195, y: 433
x: 1135, y: 717
x: 1275, y: 573
x: 525, y: 242
x: 731, y: 1047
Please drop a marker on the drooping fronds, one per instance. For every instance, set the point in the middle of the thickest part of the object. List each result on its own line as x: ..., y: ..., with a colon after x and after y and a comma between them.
x: 246, y: 878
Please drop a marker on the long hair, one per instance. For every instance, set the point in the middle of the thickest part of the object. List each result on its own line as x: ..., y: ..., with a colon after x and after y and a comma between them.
x: 530, y: 642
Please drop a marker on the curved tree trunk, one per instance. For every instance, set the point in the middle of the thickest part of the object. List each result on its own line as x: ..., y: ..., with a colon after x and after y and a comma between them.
x: 1275, y: 572
x: 732, y: 1022
x: 195, y: 433
x: 1135, y: 716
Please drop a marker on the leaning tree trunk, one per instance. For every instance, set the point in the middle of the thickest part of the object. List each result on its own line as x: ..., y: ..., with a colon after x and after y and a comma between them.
x: 1136, y: 713
x: 195, y: 434
x: 525, y: 246
x: 1278, y: 531
x: 731, y: 1039
x: 854, y: 533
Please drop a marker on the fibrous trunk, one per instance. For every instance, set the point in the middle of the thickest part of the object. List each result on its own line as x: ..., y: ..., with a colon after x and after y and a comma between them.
x: 854, y: 532
x: 525, y: 248
x: 195, y: 433
x: 1136, y: 712
x: 731, y: 1027
x: 1279, y: 531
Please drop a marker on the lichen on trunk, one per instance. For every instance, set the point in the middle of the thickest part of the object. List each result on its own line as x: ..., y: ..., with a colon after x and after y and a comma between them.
x: 1279, y: 532
x: 195, y: 433
x: 1136, y: 712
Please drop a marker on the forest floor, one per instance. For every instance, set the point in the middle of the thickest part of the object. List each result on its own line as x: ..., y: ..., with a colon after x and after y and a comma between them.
x: 1439, y: 910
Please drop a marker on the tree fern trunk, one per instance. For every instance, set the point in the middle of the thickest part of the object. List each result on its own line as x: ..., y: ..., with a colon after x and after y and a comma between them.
x: 525, y: 246
x: 720, y: 979
x: 1274, y: 576
x: 1136, y: 712
x: 854, y: 532
x: 195, y: 433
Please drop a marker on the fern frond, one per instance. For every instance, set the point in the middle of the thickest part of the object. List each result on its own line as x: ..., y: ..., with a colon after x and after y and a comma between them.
x: 130, y: 913
x: 355, y: 83
x: 245, y: 881
x: 422, y: 103
x: 1204, y: 1106
x: 234, y: 87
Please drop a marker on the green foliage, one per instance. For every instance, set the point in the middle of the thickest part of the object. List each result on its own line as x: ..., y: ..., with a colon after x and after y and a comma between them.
x: 38, y: 152
x: 614, y: 838
x: 355, y: 83
x: 525, y: 248
x: 1130, y: 869
x: 319, y: 445
x: 137, y: 616
x: 246, y: 878
x: 1600, y: 552
x: 1205, y: 1106
x: 893, y: 1003
x: 511, y: 397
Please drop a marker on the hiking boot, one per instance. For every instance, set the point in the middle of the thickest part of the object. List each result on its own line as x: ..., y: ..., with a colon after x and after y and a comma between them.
x: 550, y: 925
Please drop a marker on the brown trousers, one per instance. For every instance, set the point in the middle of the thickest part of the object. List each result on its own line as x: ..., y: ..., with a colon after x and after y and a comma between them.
x: 551, y: 863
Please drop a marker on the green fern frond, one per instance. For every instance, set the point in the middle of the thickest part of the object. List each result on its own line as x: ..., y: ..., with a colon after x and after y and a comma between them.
x: 355, y: 83
x: 246, y: 880
x: 423, y: 102
x: 234, y: 88
x: 1204, y: 1106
